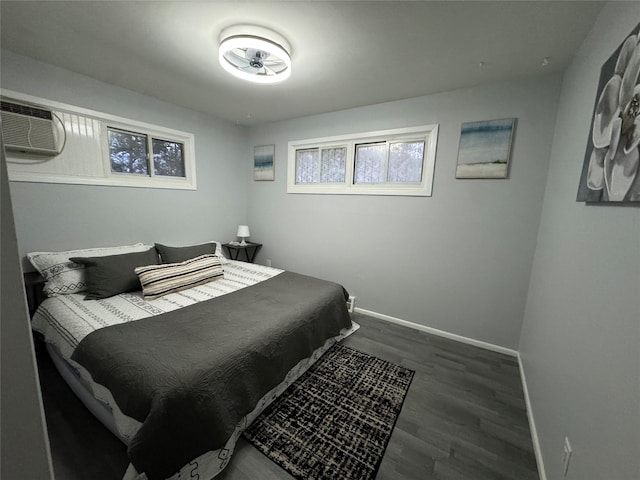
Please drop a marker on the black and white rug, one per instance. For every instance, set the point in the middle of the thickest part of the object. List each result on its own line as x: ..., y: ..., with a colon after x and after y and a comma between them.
x: 335, y: 421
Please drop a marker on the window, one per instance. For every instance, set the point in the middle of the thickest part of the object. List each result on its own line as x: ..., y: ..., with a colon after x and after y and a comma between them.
x: 405, y: 162
x: 129, y: 153
x: 321, y: 165
x: 168, y: 159
x: 389, y: 162
x: 144, y: 156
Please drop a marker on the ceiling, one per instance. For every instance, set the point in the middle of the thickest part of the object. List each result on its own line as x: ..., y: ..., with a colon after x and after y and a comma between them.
x: 345, y: 54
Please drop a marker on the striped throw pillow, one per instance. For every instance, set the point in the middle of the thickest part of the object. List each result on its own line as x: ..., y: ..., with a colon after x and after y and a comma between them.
x: 159, y: 280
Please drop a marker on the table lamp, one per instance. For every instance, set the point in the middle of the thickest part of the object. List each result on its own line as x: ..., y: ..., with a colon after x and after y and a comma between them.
x: 243, y: 232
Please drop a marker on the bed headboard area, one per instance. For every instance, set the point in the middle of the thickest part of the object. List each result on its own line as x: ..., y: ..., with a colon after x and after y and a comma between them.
x: 65, y: 276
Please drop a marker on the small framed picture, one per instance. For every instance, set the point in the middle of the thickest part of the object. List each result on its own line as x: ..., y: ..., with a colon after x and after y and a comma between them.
x: 485, y: 148
x: 263, y: 166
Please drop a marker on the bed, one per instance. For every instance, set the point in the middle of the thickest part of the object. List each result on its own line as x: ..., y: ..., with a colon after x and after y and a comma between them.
x: 179, y: 377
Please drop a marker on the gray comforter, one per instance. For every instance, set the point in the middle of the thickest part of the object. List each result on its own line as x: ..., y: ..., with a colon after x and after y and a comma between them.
x: 191, y: 375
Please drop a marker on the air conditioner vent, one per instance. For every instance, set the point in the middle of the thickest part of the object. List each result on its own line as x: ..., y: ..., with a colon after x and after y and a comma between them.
x: 26, y: 110
x: 28, y: 129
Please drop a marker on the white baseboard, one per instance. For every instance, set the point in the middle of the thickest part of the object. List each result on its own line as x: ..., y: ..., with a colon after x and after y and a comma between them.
x: 487, y: 346
x: 440, y: 333
x: 532, y: 424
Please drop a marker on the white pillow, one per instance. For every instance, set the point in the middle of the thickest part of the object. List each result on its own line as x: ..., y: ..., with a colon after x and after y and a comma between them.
x: 62, y: 276
x: 220, y: 252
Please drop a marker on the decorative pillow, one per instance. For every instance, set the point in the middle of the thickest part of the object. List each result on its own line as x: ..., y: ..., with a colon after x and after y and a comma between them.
x: 180, y: 254
x: 159, y: 280
x: 220, y: 252
x: 113, y: 274
x: 62, y: 276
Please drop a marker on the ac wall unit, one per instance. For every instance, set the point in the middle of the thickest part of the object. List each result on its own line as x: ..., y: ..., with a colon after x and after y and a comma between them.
x: 29, y: 129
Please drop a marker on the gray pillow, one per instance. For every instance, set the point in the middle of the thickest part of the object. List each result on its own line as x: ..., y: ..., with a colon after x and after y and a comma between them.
x: 180, y: 254
x: 114, y: 274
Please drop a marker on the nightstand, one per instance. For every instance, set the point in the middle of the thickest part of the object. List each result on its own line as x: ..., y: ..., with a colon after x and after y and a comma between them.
x: 250, y: 250
x: 34, y: 283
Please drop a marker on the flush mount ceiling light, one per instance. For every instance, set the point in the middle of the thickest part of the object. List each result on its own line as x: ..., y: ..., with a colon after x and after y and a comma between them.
x: 255, y: 54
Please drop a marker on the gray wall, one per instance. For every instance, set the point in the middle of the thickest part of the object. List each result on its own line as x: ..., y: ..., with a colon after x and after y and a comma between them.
x: 61, y: 217
x: 457, y: 261
x: 580, y: 341
x: 23, y: 440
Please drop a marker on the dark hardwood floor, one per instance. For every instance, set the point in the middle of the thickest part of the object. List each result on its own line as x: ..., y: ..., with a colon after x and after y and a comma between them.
x: 464, y: 417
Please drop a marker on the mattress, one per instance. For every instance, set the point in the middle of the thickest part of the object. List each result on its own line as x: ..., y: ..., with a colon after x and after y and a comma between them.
x: 83, y: 391
x: 66, y: 320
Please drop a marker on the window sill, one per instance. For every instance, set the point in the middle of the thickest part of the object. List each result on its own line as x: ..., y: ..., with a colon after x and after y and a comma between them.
x: 144, y: 182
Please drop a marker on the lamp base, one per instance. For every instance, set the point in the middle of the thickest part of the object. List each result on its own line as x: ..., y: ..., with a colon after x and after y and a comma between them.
x: 243, y: 243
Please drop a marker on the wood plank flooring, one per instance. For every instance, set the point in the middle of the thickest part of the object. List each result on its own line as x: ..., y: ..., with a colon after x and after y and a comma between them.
x: 464, y: 417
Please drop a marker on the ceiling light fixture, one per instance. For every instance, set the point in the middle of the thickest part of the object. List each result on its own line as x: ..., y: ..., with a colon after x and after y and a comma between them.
x: 255, y: 54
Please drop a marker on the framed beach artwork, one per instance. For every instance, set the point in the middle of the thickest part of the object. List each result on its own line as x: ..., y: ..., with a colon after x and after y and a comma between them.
x: 263, y: 167
x: 485, y: 148
x: 611, y: 165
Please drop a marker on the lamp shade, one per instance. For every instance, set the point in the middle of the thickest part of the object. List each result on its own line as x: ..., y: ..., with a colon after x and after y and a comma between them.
x: 243, y: 231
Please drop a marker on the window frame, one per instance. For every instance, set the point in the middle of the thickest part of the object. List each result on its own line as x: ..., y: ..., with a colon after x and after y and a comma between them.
x: 110, y: 128
x: 320, y: 148
x: 150, y: 180
x: 426, y: 133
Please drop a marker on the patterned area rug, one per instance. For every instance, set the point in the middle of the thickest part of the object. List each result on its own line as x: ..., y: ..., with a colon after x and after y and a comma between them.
x: 335, y: 421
